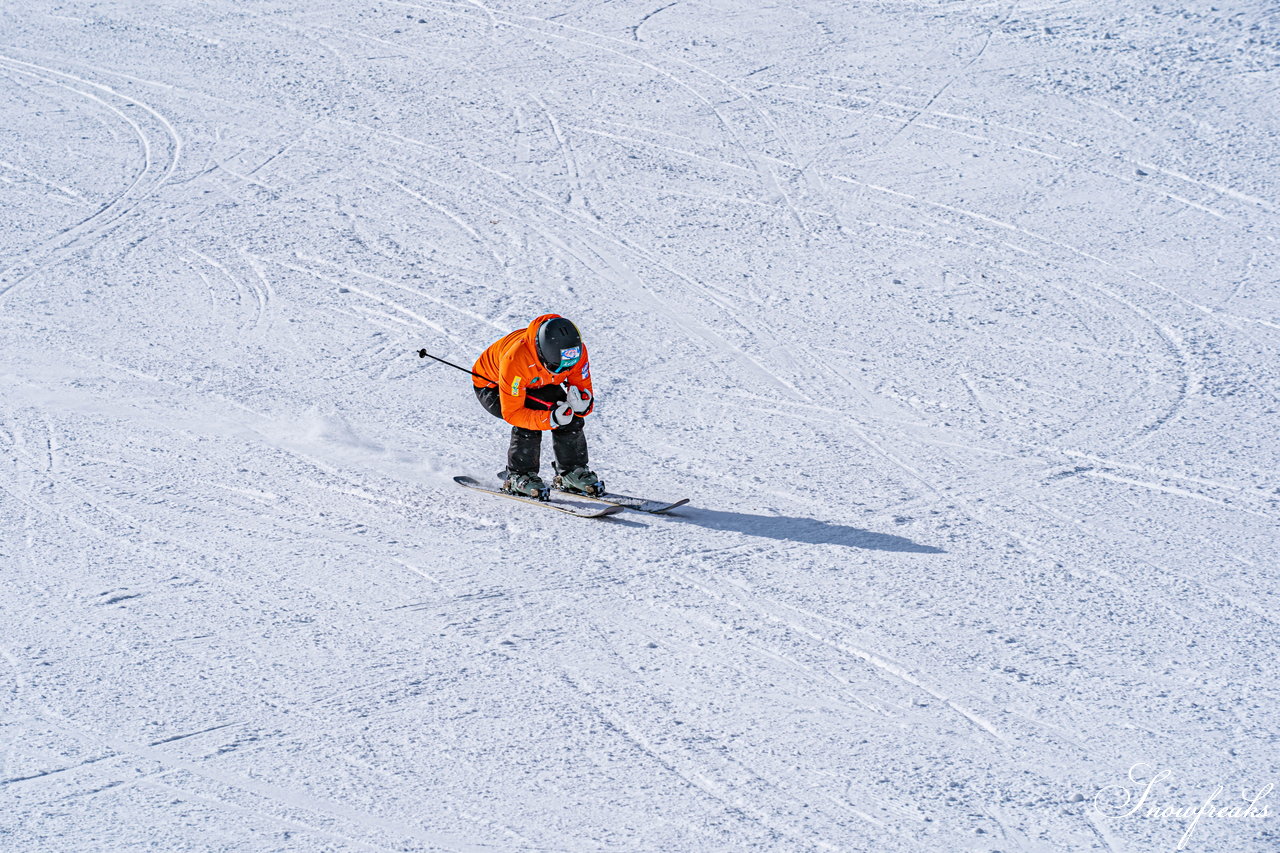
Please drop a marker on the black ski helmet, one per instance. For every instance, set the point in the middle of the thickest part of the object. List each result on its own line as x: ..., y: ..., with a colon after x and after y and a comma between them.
x: 559, y: 344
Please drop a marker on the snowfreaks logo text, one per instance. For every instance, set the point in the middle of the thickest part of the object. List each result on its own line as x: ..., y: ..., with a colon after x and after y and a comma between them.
x: 1143, y: 800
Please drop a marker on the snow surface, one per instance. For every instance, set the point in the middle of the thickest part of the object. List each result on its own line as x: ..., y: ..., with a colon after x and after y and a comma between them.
x: 958, y: 322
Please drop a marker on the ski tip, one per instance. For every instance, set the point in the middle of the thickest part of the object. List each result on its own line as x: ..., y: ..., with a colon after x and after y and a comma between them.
x: 656, y: 507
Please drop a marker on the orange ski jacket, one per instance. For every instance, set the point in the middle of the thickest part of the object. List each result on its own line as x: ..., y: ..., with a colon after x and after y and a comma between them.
x: 513, y: 362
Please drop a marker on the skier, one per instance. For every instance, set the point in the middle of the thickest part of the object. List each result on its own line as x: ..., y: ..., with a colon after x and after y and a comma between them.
x: 543, y: 382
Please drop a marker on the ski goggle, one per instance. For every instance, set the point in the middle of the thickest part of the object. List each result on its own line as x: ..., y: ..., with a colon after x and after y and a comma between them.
x: 568, y: 358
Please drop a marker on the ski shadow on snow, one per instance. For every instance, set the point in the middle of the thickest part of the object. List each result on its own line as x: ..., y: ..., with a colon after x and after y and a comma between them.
x: 791, y: 529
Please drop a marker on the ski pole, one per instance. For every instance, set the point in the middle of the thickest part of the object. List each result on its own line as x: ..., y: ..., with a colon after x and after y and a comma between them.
x: 422, y: 353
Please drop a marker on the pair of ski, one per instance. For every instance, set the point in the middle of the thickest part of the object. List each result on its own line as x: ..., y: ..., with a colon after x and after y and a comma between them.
x: 596, y: 506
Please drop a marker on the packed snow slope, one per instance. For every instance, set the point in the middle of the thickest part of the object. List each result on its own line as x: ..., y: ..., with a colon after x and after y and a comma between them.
x: 958, y: 323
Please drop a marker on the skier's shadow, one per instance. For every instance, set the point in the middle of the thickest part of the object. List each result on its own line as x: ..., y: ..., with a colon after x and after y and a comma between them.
x: 791, y: 529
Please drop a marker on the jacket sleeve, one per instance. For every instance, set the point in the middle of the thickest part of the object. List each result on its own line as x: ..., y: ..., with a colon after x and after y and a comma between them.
x: 511, y: 391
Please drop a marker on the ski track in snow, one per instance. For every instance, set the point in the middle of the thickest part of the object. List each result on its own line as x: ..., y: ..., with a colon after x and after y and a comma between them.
x: 958, y: 323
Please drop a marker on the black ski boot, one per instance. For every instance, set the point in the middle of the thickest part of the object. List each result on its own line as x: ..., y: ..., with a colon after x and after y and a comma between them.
x: 527, y: 484
x: 581, y: 480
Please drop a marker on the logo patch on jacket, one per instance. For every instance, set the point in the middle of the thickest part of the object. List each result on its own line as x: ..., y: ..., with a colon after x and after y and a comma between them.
x: 586, y: 370
x: 515, y: 387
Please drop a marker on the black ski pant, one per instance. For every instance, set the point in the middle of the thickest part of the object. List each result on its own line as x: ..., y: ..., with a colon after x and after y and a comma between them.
x: 525, y: 451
